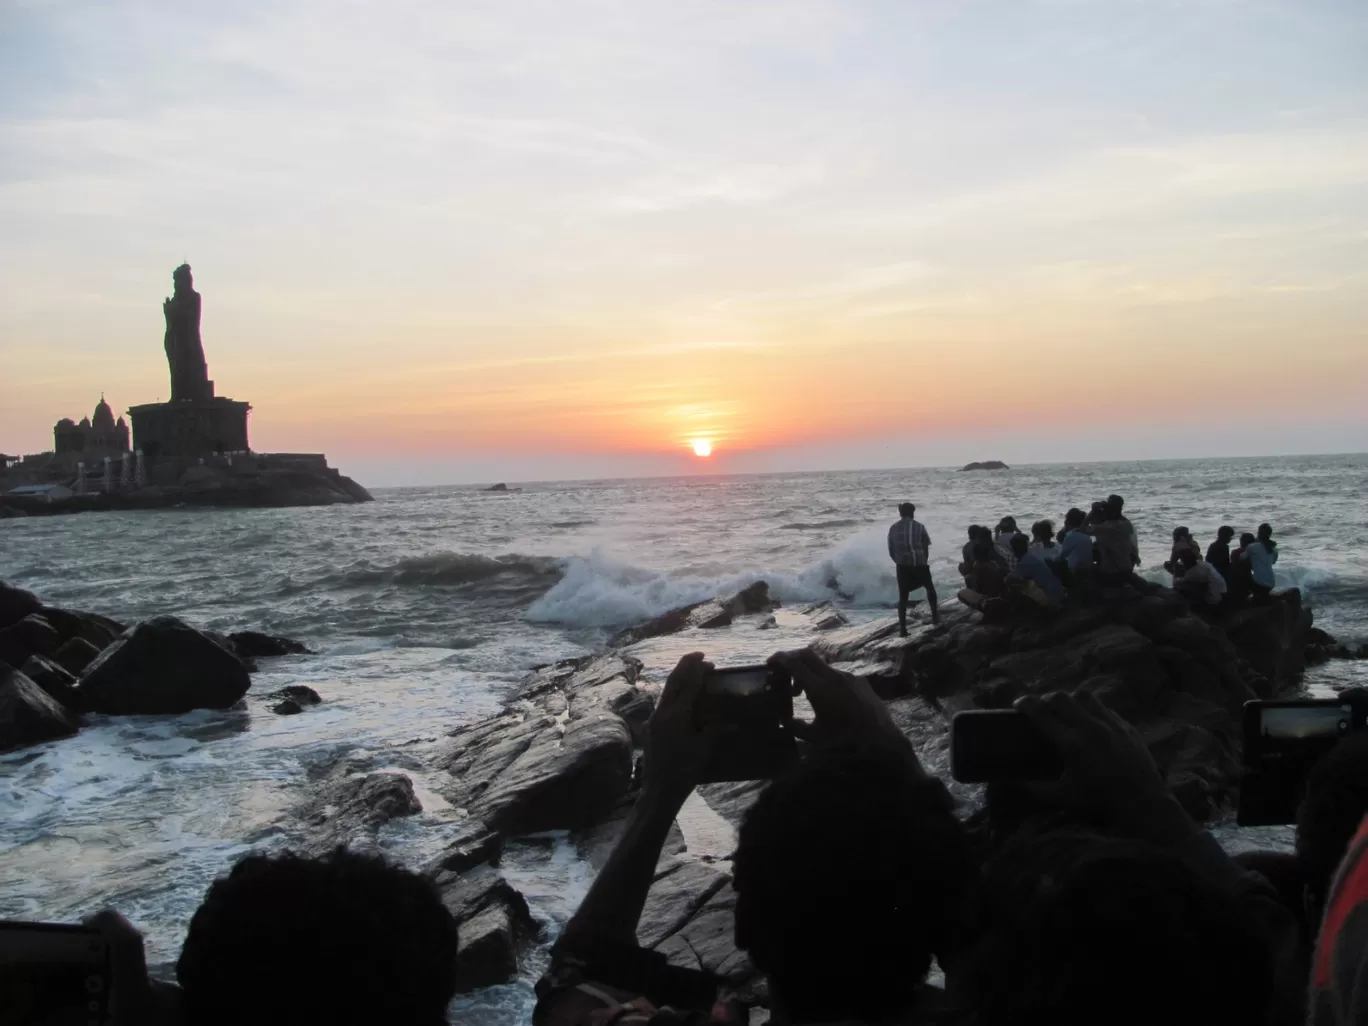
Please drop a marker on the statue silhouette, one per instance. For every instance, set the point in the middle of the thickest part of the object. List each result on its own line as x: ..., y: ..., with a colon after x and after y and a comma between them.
x: 184, y: 350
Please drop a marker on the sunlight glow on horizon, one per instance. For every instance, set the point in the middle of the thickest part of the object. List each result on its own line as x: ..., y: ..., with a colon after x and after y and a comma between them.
x: 702, y: 447
x: 531, y: 239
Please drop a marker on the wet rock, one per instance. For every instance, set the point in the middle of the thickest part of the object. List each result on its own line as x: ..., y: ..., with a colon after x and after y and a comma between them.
x: 823, y: 616
x: 15, y: 604
x: 163, y: 666
x: 732, y: 799
x: 349, y: 809
x: 75, y: 654
x: 706, y: 941
x: 289, y: 707
x: 298, y: 695
x: 1271, y: 637
x: 32, y: 635
x: 594, y: 844
x: 56, y: 681
x: 99, y: 631
x: 255, y: 645
x: 711, y: 613
x: 985, y: 465
x: 560, y: 756
x: 28, y: 714
x: 495, y: 925
x: 675, y: 897
x: 474, y: 845
x: 769, y: 623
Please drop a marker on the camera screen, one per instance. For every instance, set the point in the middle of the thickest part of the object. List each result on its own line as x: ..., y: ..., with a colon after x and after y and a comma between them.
x: 738, y: 683
x: 51, y: 976
x: 1291, y: 722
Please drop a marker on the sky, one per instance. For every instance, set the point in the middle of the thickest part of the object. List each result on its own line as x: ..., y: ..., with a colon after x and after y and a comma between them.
x: 532, y: 239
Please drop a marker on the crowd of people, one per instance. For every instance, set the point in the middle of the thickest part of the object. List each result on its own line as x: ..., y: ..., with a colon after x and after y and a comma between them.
x: 1093, y: 899
x: 1006, y: 569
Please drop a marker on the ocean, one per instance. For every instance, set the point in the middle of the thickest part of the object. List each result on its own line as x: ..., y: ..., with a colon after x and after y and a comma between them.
x: 427, y: 605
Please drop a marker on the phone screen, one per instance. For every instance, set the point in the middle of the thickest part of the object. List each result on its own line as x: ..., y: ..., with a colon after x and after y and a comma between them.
x: 748, y: 712
x: 988, y: 745
x: 52, y: 975
x: 1283, y: 740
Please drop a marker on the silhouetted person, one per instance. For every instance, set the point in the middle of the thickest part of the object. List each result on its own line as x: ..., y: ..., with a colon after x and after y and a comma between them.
x: 346, y: 939
x: 1336, y: 802
x: 909, y: 547
x: 1032, y: 577
x: 1218, y: 552
x: 1241, y: 578
x: 1043, y: 543
x: 1076, y: 543
x: 1262, y: 553
x: 1003, y: 534
x: 1117, y: 552
x: 1199, y: 582
x: 1182, y: 542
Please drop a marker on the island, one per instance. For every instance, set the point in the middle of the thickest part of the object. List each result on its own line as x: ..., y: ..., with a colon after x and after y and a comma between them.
x: 989, y: 465
x: 190, y: 451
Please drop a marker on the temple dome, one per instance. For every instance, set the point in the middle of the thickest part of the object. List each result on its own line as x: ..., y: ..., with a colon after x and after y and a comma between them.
x: 104, y: 416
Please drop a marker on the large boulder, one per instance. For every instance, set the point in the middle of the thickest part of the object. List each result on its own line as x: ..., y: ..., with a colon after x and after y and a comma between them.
x: 163, y: 666
x: 99, y: 631
x: 75, y: 654
x: 560, y: 755
x: 28, y: 714
x: 32, y: 635
x: 53, y: 678
x: 16, y: 603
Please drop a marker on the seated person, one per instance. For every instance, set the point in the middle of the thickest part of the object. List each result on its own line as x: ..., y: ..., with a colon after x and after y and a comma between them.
x: 850, y: 869
x: 1262, y: 553
x: 1116, y: 550
x: 1133, y: 917
x: 1043, y: 543
x: 1198, y: 582
x: 1032, y: 576
x: 1002, y: 539
x: 1077, y: 545
x: 1240, y: 583
x: 1182, y: 542
x: 986, y: 580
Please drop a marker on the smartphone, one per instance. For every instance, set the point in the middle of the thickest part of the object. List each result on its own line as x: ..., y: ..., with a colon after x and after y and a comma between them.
x: 988, y: 745
x: 53, y: 975
x: 748, y: 710
x: 1282, y: 741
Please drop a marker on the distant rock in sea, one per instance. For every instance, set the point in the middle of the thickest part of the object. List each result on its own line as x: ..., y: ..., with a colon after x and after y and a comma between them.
x: 989, y: 465
x: 500, y: 487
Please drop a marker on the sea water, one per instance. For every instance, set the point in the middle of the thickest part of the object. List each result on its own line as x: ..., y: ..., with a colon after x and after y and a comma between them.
x: 427, y: 606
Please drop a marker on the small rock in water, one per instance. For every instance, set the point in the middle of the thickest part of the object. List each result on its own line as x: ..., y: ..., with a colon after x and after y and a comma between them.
x: 254, y: 644
x: 289, y: 707
x: 293, y: 699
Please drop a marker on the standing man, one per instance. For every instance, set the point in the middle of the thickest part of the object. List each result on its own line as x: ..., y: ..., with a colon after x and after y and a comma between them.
x: 908, y: 546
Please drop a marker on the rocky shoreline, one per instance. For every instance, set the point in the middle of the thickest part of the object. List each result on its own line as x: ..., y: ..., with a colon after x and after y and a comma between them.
x: 561, y: 754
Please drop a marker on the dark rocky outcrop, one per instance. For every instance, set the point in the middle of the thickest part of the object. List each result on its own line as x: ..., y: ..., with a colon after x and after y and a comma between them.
x: 75, y: 654
x: 294, y: 699
x: 986, y: 465
x: 560, y: 756
x: 98, y: 631
x: 717, y: 612
x: 28, y: 714
x: 32, y: 635
x: 494, y: 921
x: 15, y: 604
x: 163, y: 666
x: 349, y: 808
x: 256, y: 645
x: 56, y: 680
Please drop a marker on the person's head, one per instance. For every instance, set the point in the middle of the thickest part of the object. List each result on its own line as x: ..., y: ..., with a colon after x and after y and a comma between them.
x: 1247, y: 539
x: 1007, y: 525
x: 1180, y: 533
x: 1020, y: 545
x: 1042, y: 531
x: 1336, y: 802
x: 1111, y: 509
x: 850, y: 873
x: 1225, y: 533
x: 1074, y: 518
x: 906, y: 509
x: 973, y: 532
x: 1187, y: 558
x: 984, y: 550
x: 1265, y: 532
x: 344, y: 939
x: 1069, y: 927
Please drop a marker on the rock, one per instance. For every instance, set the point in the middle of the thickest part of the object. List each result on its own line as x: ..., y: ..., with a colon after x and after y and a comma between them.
x: 255, y: 645
x: 32, y: 635
x: 99, y: 631
x: 75, y: 654
x: 15, y: 604
x: 824, y: 616
x: 300, y: 694
x: 719, y: 612
x: 769, y: 623
x: 707, y: 942
x: 163, y: 666
x: 732, y: 799
x: 560, y: 756
x: 594, y: 844
x: 495, y: 925
x: 53, y: 678
x: 474, y: 845
x: 676, y: 897
x: 500, y: 487
x: 28, y: 715
x: 987, y: 465
x: 289, y: 707
x: 349, y: 809
x: 1271, y: 637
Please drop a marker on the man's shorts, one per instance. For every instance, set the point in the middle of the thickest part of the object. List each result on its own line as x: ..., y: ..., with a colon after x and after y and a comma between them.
x: 910, y: 578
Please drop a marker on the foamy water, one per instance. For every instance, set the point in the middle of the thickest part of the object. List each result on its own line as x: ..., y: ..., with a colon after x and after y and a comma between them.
x: 427, y: 605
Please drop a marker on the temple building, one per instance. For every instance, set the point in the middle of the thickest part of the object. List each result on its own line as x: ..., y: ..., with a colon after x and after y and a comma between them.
x: 195, y: 424
x: 94, y: 437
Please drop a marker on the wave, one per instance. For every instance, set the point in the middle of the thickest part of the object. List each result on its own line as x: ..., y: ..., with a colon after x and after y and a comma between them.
x: 447, y: 569
x: 821, y: 525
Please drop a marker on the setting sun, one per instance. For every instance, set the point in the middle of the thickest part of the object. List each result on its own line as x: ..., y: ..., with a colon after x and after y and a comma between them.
x: 702, y: 447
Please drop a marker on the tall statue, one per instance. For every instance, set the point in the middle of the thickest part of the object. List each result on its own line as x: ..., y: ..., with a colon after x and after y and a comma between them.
x: 184, y: 350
